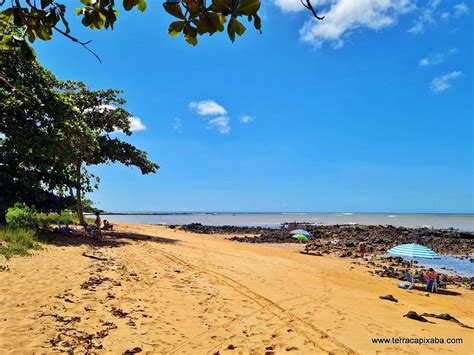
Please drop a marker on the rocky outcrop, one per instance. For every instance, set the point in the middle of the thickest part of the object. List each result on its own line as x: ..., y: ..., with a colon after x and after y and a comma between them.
x: 343, y: 241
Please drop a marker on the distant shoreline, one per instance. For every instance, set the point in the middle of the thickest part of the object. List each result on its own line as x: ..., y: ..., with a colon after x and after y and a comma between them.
x: 463, y: 222
x: 144, y: 213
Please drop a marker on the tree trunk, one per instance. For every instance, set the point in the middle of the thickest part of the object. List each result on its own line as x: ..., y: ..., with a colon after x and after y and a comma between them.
x: 3, y: 214
x: 80, y: 213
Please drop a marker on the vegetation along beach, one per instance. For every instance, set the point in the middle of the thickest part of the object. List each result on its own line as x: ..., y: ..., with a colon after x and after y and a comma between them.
x: 236, y: 177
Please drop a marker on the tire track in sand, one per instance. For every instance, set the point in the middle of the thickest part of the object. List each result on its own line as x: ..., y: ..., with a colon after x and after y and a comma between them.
x: 235, y: 319
x: 266, y: 304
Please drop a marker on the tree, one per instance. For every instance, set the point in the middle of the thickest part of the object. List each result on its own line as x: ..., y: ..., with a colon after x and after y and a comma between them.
x: 193, y: 18
x: 32, y: 114
x: 99, y: 115
x: 52, y: 131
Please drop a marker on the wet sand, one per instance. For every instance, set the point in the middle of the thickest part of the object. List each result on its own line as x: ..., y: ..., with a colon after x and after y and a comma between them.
x: 167, y: 291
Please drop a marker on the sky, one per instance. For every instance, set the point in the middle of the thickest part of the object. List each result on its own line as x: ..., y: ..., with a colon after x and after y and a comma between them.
x: 369, y: 110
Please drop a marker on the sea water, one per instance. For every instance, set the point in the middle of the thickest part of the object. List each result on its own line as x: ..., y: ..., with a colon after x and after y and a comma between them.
x: 463, y: 222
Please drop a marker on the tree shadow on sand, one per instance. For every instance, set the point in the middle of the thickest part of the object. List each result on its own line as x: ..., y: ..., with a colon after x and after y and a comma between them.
x: 141, y: 237
x: 440, y: 291
x: 107, y: 239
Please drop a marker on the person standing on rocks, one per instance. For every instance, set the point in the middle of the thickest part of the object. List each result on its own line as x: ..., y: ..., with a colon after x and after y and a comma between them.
x: 362, y: 246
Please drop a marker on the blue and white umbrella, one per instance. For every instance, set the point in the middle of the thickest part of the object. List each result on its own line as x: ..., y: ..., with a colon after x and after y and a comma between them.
x: 413, y: 251
x: 301, y: 231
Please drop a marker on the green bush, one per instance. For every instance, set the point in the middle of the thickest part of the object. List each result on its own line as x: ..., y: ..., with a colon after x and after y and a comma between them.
x: 22, y: 216
x: 47, y: 219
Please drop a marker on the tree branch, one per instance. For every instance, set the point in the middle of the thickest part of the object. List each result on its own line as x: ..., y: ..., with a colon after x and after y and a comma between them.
x: 307, y: 4
x: 84, y: 44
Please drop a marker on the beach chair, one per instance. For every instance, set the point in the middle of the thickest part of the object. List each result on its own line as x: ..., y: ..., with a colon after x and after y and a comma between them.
x: 431, y: 286
x: 441, y: 284
x: 407, y: 285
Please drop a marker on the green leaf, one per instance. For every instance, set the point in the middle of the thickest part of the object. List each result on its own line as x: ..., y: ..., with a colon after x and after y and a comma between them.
x: 176, y: 28
x: 191, y: 39
x: 18, y: 19
x: 257, y: 23
x: 43, y: 32
x: 189, y: 30
x: 27, y: 51
x: 174, y: 9
x: 129, y: 4
x: 142, y: 5
x: 30, y: 35
x: 239, y: 28
x: 87, y: 20
x: 194, y: 9
x: 248, y: 7
x: 202, y: 25
x: 230, y: 29
x: 51, y: 19
x: 220, y: 5
x: 210, y: 23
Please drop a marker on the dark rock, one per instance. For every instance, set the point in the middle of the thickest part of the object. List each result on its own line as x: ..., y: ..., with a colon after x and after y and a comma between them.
x: 415, y: 316
x: 389, y: 298
x: 448, y: 317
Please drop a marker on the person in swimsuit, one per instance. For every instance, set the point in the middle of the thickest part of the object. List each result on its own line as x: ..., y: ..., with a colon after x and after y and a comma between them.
x: 362, y: 247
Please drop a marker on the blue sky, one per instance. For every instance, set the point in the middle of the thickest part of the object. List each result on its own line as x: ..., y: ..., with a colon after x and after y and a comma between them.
x: 369, y: 110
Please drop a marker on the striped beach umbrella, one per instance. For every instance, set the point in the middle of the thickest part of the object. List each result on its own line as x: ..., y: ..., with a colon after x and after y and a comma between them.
x: 301, y: 231
x: 413, y: 251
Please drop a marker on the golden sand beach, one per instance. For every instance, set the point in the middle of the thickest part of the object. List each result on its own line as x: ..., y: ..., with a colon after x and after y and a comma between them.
x: 165, y: 291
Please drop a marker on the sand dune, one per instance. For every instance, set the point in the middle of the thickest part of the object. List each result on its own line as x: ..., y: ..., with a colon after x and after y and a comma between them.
x: 166, y: 291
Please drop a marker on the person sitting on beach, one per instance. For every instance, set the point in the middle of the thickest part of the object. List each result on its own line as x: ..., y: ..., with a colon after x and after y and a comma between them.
x: 107, y: 226
x: 430, y: 278
x: 362, y: 246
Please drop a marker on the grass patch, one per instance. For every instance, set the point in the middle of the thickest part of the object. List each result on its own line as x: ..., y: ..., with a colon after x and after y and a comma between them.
x: 17, y: 241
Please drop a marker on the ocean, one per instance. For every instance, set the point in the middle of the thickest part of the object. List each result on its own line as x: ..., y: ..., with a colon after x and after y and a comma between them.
x: 447, y: 264
x: 463, y: 222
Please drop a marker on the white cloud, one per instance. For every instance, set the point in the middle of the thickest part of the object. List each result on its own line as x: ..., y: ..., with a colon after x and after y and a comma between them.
x: 346, y: 16
x: 2, y: 136
x: 136, y: 124
x: 221, y: 124
x: 425, y: 61
x: 461, y: 9
x: 437, y: 59
x: 247, y: 118
x: 444, y: 82
x: 207, y: 108
x: 177, y: 123
x: 212, y: 108
x: 425, y: 18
